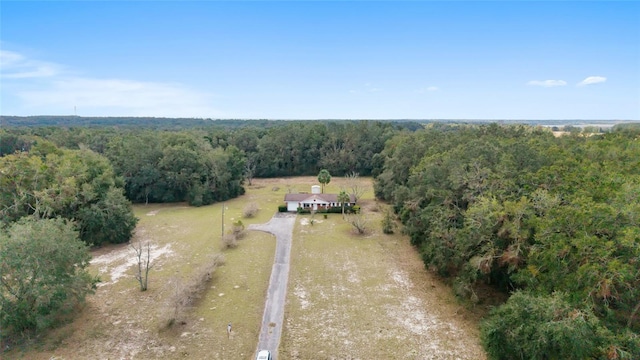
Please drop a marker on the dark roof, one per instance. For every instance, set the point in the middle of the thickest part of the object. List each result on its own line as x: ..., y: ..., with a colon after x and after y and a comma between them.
x: 332, y: 198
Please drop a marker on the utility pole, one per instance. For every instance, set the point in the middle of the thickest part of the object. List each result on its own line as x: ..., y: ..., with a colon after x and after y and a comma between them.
x: 223, y: 219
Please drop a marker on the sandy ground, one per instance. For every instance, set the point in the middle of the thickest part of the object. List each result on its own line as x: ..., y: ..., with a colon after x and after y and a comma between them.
x: 394, y: 302
x: 401, y: 311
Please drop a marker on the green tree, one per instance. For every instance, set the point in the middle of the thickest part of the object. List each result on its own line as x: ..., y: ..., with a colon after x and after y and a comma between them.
x: 343, y: 198
x: 136, y: 157
x: 43, y: 274
x: 541, y: 327
x: 324, y: 178
x: 388, y: 225
x: 77, y: 185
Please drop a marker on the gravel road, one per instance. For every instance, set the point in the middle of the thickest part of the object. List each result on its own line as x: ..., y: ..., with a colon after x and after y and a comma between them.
x: 281, y: 225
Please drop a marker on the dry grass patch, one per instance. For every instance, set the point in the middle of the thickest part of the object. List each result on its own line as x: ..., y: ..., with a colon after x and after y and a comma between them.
x: 350, y: 297
x: 120, y: 322
x: 359, y: 297
x: 186, y: 292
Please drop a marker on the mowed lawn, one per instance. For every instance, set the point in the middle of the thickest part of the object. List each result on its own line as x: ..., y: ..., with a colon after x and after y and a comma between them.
x: 349, y: 296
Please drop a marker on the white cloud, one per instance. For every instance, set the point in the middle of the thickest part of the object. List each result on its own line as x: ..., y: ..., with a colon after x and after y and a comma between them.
x: 547, y: 83
x: 16, y: 66
x: 123, y: 96
x: 59, y: 91
x: 592, y: 80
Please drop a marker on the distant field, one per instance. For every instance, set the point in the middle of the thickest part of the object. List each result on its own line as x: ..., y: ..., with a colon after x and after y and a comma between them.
x: 350, y: 297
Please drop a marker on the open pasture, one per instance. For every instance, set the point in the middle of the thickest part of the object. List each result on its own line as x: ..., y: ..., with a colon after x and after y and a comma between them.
x: 349, y: 296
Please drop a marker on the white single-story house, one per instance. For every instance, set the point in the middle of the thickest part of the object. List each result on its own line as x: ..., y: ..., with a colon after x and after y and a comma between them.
x: 314, y: 201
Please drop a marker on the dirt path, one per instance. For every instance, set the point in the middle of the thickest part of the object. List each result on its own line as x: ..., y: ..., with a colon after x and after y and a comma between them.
x: 281, y: 225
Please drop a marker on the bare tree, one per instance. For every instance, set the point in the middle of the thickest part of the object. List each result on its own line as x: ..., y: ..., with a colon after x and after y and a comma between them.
x: 143, y: 256
x: 356, y: 189
x: 249, y: 169
x: 359, y: 223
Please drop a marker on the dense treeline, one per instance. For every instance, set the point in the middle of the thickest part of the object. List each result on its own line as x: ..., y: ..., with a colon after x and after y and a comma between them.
x: 61, y: 187
x: 209, y: 164
x: 170, y: 167
x: 68, y: 121
x: 162, y: 123
x: 77, y: 185
x: 54, y: 203
x: 552, y: 221
x: 128, y: 122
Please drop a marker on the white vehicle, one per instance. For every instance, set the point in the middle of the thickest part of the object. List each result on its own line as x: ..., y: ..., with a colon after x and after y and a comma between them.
x: 264, y: 355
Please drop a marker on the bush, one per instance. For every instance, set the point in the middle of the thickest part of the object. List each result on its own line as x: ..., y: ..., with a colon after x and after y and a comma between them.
x: 338, y: 210
x: 250, y: 210
x: 238, y: 229
x: 229, y: 241
x: 282, y: 208
x: 540, y: 327
x: 388, y: 226
x: 359, y: 223
x: 186, y: 292
x: 304, y: 211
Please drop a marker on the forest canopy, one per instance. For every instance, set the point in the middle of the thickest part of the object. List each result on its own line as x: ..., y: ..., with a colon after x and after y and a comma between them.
x: 551, y: 219
x: 552, y: 222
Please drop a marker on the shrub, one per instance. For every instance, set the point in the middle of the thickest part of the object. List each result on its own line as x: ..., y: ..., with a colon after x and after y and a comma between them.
x: 338, y: 210
x: 282, y: 208
x: 229, y: 241
x: 186, y: 292
x: 250, y: 210
x: 388, y: 226
x: 359, y: 223
x: 304, y: 211
x: 238, y: 229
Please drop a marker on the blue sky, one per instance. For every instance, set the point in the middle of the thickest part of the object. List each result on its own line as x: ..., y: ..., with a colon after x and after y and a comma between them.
x: 322, y: 60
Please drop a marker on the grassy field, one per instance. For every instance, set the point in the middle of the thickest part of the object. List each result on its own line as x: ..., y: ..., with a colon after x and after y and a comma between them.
x: 350, y: 296
x: 364, y: 297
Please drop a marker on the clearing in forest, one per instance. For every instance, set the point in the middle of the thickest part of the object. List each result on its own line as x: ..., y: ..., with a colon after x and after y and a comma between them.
x: 349, y: 296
